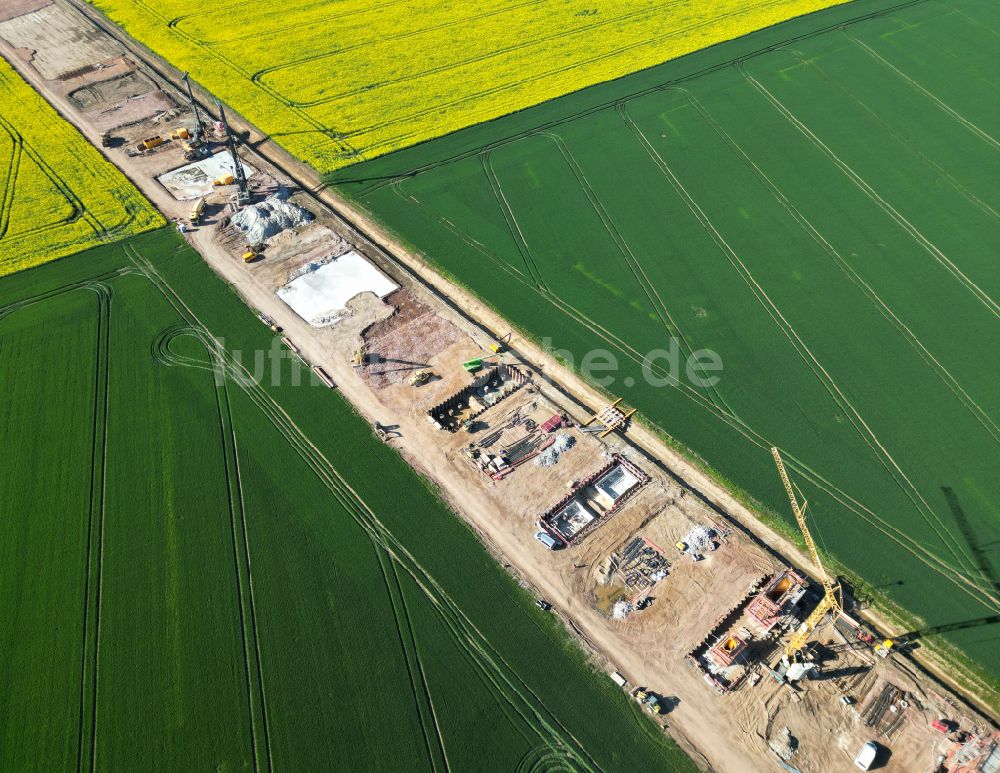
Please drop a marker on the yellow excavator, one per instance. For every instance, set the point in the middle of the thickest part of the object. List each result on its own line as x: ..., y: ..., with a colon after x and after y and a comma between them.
x: 831, y: 590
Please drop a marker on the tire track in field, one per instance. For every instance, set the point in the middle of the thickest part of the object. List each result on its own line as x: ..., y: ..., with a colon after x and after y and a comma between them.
x: 437, y: 756
x: 31, y: 300
x: 174, y: 23
x: 9, y: 182
x: 952, y: 383
x: 509, y: 685
x: 256, y: 703
x: 867, y: 434
x: 646, y: 285
x: 454, y: 22
x: 961, y: 189
x: 931, y: 560
x: 61, y: 185
x: 917, y: 86
x: 515, y: 46
x: 86, y: 742
x: 513, y: 227
x: 981, y: 295
x: 915, y: 29
x: 162, y: 351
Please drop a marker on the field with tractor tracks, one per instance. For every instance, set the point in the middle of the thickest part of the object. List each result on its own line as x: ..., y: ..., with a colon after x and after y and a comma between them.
x: 58, y: 195
x: 355, y: 79
x: 199, y: 565
x: 817, y: 203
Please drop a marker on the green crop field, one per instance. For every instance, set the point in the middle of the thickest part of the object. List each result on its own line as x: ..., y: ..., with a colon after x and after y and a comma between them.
x: 818, y: 204
x: 200, y: 570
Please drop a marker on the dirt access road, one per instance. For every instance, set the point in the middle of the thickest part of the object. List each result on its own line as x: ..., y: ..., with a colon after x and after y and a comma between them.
x: 715, y: 730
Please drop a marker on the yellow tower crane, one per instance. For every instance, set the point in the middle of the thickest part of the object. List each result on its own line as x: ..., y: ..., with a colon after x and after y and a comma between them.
x: 830, y: 600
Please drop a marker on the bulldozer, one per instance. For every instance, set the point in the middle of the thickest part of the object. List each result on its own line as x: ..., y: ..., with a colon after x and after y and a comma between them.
x: 253, y: 251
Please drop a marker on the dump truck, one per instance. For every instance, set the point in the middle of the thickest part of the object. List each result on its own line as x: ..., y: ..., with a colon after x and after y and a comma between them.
x: 197, y: 210
x: 251, y: 253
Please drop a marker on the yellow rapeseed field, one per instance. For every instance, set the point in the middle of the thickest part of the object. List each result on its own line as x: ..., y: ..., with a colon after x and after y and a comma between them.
x: 339, y: 81
x: 58, y: 195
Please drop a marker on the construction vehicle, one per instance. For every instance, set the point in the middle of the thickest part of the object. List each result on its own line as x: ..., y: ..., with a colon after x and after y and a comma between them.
x: 252, y: 253
x: 831, y: 600
x: 197, y: 210
x: 243, y: 194
x: 501, y: 344
x: 106, y: 139
x: 193, y: 149
x: 648, y: 700
x: 151, y: 142
x: 884, y: 649
x: 359, y: 358
x: 180, y: 133
x: 420, y: 377
x: 226, y: 179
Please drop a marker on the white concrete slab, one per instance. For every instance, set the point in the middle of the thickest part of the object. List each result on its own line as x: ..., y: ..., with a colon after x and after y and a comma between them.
x: 194, y: 180
x: 320, y: 296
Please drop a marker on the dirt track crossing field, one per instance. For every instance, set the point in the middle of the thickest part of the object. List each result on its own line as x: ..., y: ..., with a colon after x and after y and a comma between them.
x: 239, y: 549
x: 823, y: 214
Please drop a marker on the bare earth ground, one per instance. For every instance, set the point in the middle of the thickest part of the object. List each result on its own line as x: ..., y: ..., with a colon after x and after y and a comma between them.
x: 414, y: 328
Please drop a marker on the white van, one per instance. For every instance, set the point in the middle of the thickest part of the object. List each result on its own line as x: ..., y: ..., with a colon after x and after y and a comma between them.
x: 548, y: 540
x: 866, y: 757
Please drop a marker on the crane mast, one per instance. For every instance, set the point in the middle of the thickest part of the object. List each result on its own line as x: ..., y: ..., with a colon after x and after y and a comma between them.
x: 829, y: 601
x: 199, y: 129
x: 238, y: 173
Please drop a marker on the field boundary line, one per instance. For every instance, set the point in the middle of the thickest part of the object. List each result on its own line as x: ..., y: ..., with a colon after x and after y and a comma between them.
x: 666, y: 84
x: 922, y: 240
x: 811, y: 361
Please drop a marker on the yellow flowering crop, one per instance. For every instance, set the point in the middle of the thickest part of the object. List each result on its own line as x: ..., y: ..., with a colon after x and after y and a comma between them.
x: 339, y: 82
x: 58, y: 195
